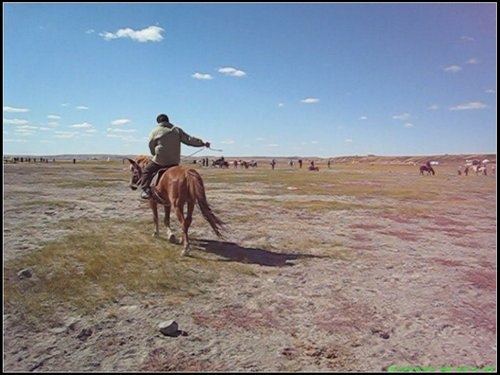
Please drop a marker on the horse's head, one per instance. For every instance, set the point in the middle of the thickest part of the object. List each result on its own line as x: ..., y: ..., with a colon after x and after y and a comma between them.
x: 136, y: 167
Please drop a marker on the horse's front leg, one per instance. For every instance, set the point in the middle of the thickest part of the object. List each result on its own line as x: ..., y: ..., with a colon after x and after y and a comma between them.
x: 154, y: 208
x: 166, y: 221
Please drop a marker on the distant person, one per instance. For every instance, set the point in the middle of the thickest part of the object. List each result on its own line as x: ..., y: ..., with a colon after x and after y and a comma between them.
x: 273, y: 163
x: 300, y: 163
x: 165, y: 146
x: 74, y: 161
x: 312, y: 167
x: 329, y: 163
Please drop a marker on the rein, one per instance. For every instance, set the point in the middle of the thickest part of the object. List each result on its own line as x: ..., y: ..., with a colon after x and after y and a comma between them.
x: 201, y: 149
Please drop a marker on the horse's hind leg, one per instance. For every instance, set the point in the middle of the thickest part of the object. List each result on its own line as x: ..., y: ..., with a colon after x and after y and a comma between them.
x: 185, y: 222
x: 166, y: 221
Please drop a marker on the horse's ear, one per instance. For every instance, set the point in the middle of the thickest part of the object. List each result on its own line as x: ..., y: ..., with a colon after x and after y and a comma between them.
x: 135, y: 164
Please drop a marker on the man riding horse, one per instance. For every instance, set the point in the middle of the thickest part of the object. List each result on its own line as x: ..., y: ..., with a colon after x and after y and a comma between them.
x: 165, y: 146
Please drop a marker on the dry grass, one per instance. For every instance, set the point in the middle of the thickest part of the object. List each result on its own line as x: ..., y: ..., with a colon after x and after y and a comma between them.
x: 103, y: 260
x: 98, y: 264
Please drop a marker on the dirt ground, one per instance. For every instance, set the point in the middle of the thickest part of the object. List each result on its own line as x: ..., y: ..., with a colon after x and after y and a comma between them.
x: 412, y: 283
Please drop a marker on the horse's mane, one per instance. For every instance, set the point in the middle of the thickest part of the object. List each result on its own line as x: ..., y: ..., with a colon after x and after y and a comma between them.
x: 143, y: 159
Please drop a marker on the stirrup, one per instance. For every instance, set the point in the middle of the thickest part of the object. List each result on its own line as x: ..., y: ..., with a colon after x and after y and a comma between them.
x: 146, y: 194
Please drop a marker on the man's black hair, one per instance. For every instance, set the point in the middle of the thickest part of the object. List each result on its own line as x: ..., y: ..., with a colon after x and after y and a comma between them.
x: 162, y: 118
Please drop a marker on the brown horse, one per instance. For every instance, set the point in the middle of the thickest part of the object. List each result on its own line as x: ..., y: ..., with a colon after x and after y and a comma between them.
x: 427, y: 168
x: 177, y: 186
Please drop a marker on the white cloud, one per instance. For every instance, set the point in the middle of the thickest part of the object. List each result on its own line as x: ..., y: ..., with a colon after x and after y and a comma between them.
x: 113, y: 130
x: 90, y: 31
x: 53, y: 123
x: 230, y: 71
x: 314, y: 142
x: 348, y: 140
x: 272, y: 145
x: 490, y: 91
x: 127, y: 138
x: 310, y: 100
x: 14, y: 110
x: 402, y: 116
x: 453, y: 69
x: 204, y: 76
x: 54, y: 117
x: 472, y: 61
x: 363, y: 118
x: 24, y: 132
x: 149, y: 34
x: 81, y: 107
x: 64, y: 134
x: 433, y: 107
x: 15, y: 140
x: 467, y: 106
x: 15, y: 121
x: 467, y: 38
x: 121, y: 121
x: 408, y: 125
x: 281, y: 105
x: 83, y: 125
x: 228, y: 142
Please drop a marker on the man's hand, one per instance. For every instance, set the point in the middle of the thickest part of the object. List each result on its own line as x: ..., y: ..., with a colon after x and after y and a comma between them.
x: 207, y: 144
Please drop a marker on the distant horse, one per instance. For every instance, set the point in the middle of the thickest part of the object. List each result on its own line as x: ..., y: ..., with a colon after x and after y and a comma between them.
x: 221, y: 163
x: 247, y: 164
x: 176, y: 187
x: 479, y: 169
x: 427, y: 168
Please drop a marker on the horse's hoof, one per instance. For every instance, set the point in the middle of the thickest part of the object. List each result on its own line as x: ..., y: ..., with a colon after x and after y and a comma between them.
x: 185, y: 252
x: 156, y: 234
x: 172, y: 239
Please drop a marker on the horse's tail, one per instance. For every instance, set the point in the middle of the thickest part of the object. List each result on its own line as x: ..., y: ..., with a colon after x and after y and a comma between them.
x: 197, y: 189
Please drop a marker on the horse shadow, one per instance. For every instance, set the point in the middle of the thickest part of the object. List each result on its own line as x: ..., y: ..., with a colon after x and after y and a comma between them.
x: 233, y: 252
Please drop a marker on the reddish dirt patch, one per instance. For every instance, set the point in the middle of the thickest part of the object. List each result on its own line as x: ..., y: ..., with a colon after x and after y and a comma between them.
x: 446, y: 262
x: 402, y: 235
x: 477, y: 315
x: 236, y: 316
x: 367, y: 226
x: 162, y: 359
x: 482, y: 279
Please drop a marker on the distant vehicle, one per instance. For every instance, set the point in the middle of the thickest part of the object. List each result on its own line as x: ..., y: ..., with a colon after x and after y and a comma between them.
x: 472, y: 162
x: 434, y: 162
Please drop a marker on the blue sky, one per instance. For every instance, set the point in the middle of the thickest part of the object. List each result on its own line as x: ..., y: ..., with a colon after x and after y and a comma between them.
x: 254, y: 79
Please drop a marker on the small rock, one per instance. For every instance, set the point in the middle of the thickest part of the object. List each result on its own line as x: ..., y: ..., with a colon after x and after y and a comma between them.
x: 169, y: 328
x: 25, y: 273
x: 85, y: 334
